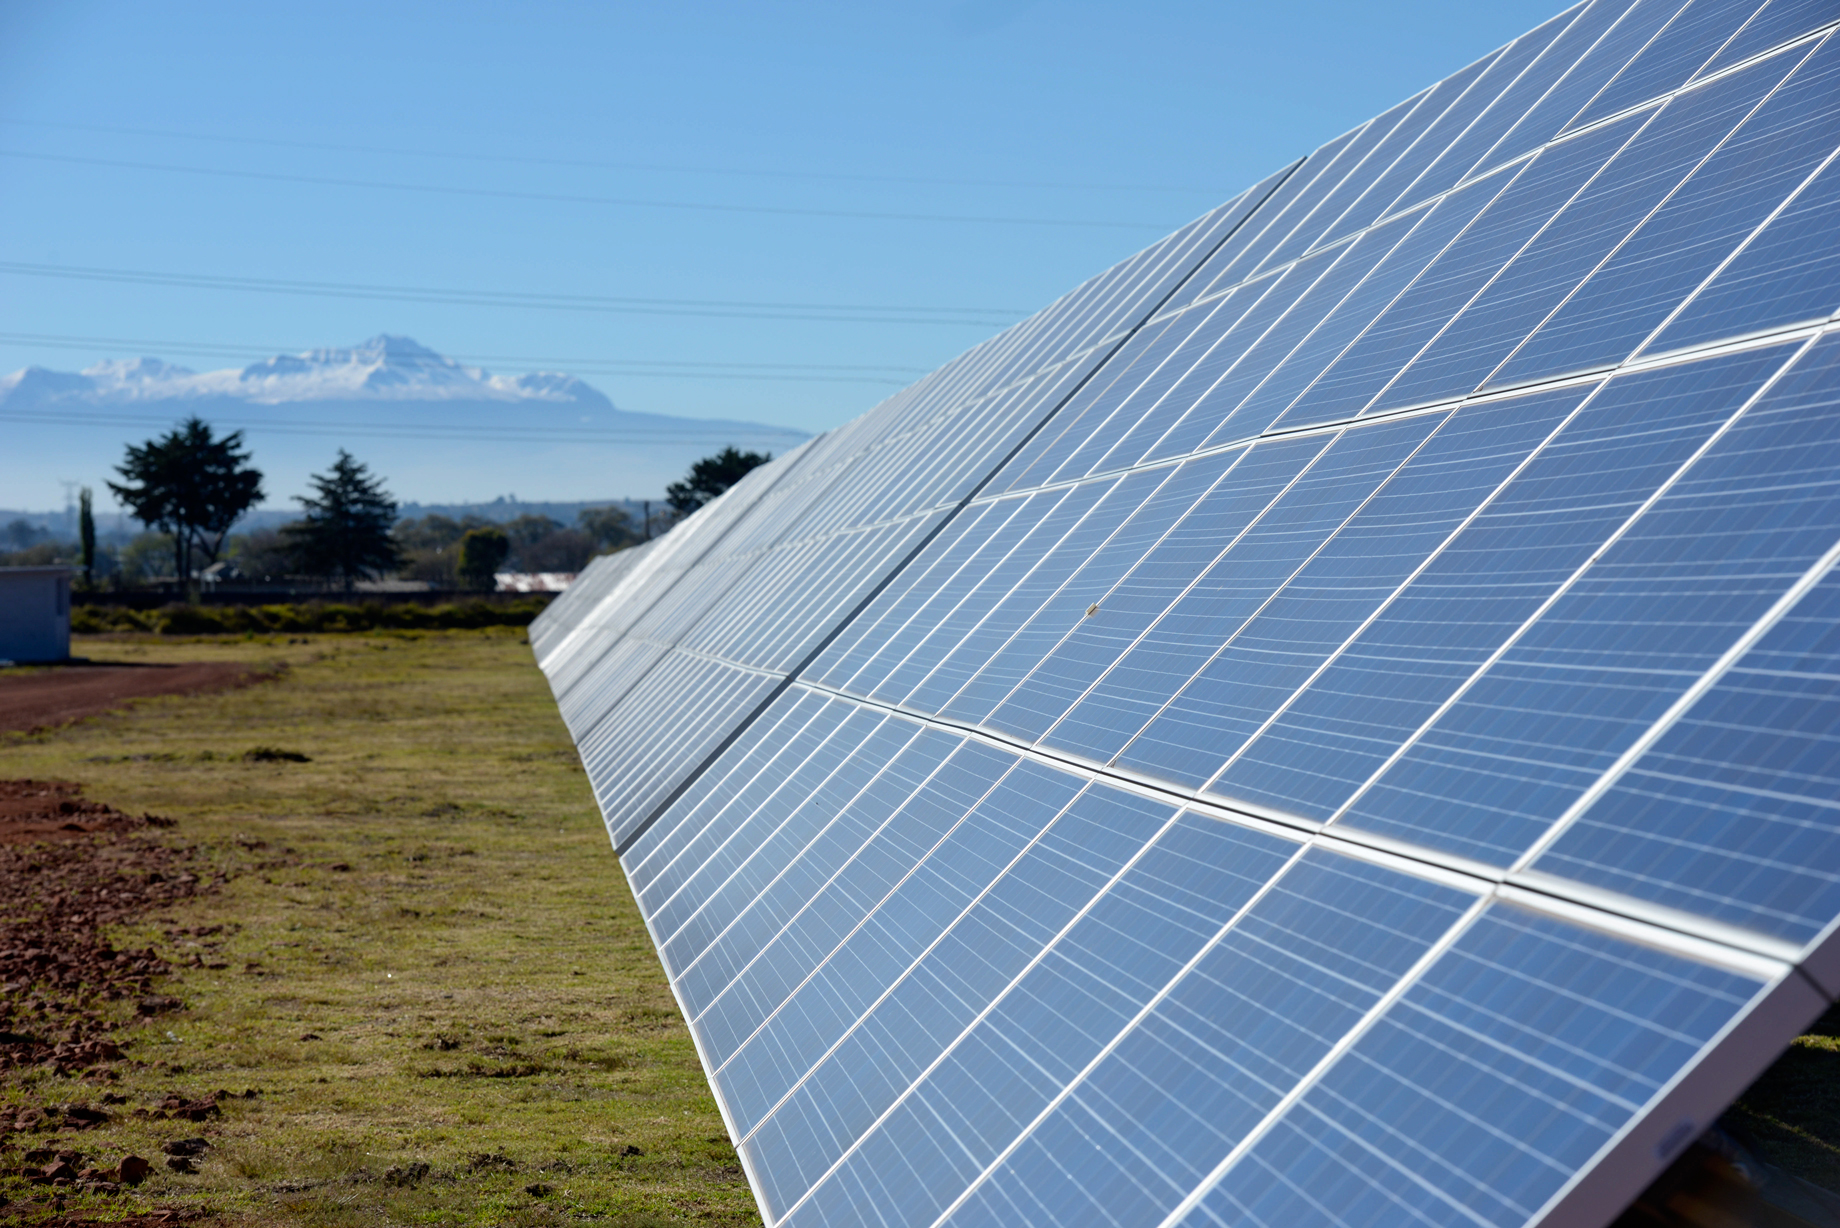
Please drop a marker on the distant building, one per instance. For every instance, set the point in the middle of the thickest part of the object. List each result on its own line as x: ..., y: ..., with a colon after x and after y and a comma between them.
x: 34, y: 613
x: 533, y: 581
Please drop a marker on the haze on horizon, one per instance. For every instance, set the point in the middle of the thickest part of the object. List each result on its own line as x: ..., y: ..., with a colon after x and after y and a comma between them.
x: 774, y: 218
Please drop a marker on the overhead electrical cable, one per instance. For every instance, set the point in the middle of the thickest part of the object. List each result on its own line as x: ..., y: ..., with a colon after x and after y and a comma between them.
x: 625, y: 202
x: 642, y: 368
x: 688, y: 434
x: 828, y: 312
x: 594, y: 164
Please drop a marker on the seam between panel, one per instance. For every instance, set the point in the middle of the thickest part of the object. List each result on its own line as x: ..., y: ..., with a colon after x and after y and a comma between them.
x: 1549, y: 92
x: 1616, y: 909
x: 1698, y: 352
x: 1696, y: 81
x: 1463, y: 175
x: 1525, y: 246
x: 999, y: 519
x: 1418, y: 102
x: 1493, y: 58
x: 1403, y: 290
x: 651, y: 877
x: 1680, y: 6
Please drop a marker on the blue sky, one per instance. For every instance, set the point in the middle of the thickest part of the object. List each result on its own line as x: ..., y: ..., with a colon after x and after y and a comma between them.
x: 961, y: 163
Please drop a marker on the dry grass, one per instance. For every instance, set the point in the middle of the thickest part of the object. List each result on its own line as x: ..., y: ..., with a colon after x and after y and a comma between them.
x: 432, y: 896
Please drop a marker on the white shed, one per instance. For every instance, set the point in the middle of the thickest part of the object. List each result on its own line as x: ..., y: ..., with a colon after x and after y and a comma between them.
x: 34, y: 613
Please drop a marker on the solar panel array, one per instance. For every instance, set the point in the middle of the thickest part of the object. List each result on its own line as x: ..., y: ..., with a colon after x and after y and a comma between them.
x: 1332, y: 722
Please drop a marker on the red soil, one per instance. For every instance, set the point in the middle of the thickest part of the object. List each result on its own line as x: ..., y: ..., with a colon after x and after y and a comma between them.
x: 70, y: 693
x: 50, y: 810
x: 70, y: 870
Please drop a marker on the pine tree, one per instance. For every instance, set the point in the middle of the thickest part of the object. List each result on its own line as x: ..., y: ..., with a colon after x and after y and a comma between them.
x: 86, y: 535
x: 345, y: 532
x: 711, y: 476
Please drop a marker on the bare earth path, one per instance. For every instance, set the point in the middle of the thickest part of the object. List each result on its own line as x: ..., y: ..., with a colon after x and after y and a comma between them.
x: 41, y: 699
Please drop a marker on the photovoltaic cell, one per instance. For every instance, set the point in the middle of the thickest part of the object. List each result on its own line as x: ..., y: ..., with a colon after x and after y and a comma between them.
x: 1675, y: 54
x: 1050, y: 659
x: 834, y: 830
x: 1381, y: 547
x: 1448, y: 110
x: 1732, y: 814
x: 1590, y: 228
x: 1499, y: 1073
x: 1234, y: 590
x: 1523, y: 71
x: 1774, y: 24
x: 1419, y: 315
x: 1617, y: 643
x: 1431, y: 233
x: 1335, y: 720
x: 945, y: 991
x: 1218, y: 1052
x: 1051, y: 1022
x: 1607, y: 37
x: 1718, y: 207
x: 1784, y: 276
x: 1258, y: 478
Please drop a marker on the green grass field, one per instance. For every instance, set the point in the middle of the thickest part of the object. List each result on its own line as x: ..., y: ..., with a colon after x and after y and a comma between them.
x: 485, y: 997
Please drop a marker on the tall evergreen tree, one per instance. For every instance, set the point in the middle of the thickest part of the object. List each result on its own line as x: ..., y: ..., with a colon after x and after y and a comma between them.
x: 192, y: 485
x: 345, y: 533
x: 86, y: 534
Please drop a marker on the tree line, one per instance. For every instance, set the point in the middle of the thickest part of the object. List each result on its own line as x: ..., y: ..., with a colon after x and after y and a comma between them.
x: 190, y: 487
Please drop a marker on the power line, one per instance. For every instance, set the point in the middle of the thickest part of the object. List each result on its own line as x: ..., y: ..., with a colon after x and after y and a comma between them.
x: 428, y: 431
x: 640, y: 368
x: 829, y: 312
x: 590, y: 164
x: 629, y: 202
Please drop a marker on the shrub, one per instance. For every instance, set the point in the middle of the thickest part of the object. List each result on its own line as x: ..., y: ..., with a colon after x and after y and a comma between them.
x: 319, y: 617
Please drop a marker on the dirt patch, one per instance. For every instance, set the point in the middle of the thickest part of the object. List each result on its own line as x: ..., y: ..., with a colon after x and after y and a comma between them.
x: 59, y: 890
x: 41, y: 699
x: 127, y: 1219
x: 69, y: 869
x: 35, y: 811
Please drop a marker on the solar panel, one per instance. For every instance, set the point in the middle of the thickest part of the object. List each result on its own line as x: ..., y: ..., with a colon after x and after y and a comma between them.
x: 1334, y: 721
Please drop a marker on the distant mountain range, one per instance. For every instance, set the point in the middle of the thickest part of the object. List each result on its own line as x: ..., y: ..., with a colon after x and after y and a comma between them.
x: 383, y: 369
x: 437, y: 430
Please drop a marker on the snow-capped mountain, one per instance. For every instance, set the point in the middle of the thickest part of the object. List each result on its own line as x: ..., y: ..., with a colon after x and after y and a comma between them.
x: 385, y: 368
x: 436, y: 429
